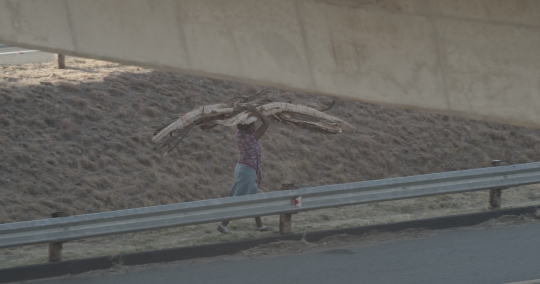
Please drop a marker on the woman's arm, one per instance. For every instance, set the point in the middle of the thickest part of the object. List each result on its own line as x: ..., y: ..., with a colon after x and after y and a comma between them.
x: 265, y: 121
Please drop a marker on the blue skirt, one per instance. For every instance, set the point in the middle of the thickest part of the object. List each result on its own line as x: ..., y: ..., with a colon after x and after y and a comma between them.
x: 244, y: 181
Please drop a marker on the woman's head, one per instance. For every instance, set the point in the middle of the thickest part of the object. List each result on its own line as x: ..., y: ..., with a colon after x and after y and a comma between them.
x: 248, y: 128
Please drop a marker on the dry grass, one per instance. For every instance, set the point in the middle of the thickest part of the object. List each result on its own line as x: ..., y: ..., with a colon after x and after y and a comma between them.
x: 78, y: 140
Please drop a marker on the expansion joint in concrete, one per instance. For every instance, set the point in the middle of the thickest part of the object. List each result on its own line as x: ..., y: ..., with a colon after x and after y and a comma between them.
x: 304, y: 40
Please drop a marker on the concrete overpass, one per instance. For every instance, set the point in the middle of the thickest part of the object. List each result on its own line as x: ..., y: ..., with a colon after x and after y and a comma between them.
x: 472, y: 58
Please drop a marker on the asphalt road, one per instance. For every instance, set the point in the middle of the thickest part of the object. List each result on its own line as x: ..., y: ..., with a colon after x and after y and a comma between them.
x: 17, y: 56
x: 501, y: 255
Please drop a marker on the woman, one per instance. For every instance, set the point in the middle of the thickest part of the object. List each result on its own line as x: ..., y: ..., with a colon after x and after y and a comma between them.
x: 249, y: 164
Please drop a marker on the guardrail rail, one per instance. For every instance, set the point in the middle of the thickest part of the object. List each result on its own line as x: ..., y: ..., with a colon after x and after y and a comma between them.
x: 214, y: 210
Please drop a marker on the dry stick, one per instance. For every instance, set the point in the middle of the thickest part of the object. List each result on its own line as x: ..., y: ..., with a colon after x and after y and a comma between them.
x: 231, y: 100
x: 312, y: 126
x: 208, y: 124
x: 202, y: 121
x: 161, y: 128
x: 190, y: 118
x: 325, y: 123
x: 172, y: 139
x: 174, y: 146
x: 331, y: 105
x: 257, y: 94
x: 180, y: 136
x: 277, y: 107
x: 169, y: 141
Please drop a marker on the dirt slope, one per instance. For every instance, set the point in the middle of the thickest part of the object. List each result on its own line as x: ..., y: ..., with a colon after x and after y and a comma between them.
x: 78, y: 140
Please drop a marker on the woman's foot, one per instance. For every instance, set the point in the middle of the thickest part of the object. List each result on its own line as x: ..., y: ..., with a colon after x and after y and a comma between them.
x: 262, y: 228
x: 223, y: 229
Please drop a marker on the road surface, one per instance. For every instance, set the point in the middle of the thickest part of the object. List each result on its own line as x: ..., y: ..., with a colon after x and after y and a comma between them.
x: 499, y: 255
x: 16, y: 56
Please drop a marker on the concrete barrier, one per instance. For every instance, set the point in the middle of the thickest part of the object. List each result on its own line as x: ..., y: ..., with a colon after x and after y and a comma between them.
x: 472, y: 58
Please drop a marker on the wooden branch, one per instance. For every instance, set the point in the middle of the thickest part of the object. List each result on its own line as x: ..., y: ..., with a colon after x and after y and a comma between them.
x: 190, y: 117
x: 278, y: 107
x: 234, y: 112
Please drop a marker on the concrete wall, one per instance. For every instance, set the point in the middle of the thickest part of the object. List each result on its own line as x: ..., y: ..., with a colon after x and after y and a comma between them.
x: 473, y: 58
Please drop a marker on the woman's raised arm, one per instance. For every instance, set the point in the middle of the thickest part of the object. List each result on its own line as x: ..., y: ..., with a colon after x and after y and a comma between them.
x: 265, y: 121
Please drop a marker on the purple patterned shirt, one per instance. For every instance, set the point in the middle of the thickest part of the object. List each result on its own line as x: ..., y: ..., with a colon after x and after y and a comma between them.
x: 250, y: 152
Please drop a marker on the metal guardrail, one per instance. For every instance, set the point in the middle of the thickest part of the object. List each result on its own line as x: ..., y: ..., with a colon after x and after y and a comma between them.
x: 214, y: 210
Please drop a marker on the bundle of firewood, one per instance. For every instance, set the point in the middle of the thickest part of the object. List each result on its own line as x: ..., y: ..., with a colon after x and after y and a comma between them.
x: 234, y: 112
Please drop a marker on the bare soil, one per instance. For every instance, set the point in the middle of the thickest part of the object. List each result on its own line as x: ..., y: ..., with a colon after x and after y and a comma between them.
x: 78, y: 140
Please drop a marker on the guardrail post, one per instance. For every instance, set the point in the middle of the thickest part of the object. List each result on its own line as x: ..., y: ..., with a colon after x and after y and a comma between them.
x: 55, y: 249
x: 61, y: 61
x: 285, y: 220
x: 495, y: 195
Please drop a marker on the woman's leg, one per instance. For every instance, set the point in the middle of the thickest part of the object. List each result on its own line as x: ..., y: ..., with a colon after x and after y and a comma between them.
x: 259, y: 222
x: 260, y: 226
x: 223, y: 225
x: 222, y: 228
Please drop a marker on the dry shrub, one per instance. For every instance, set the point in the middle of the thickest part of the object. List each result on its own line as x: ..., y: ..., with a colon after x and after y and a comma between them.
x: 67, y: 128
x: 51, y: 161
x: 218, y: 170
x: 19, y: 98
x: 148, y: 111
x: 115, y: 80
x: 21, y: 156
x: 87, y: 164
x: 529, y: 141
x: 101, y: 183
x: 4, y: 120
x: 145, y: 161
x: 117, y: 90
x: 367, y: 142
x: 93, y: 114
x: 130, y: 143
x: 71, y: 164
x: 49, y: 121
x: 77, y: 101
x: 185, y: 86
x: 28, y: 188
x: 124, y: 112
x: 85, y: 140
x: 105, y: 161
x: 164, y: 89
x: 203, y: 181
x: 78, y: 116
x: 101, y: 97
x: 305, y: 140
x: 47, y: 203
x: 142, y: 84
x: 68, y: 87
